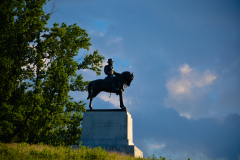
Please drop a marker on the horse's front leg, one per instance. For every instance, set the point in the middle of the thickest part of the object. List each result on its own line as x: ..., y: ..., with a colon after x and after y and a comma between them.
x: 122, y: 106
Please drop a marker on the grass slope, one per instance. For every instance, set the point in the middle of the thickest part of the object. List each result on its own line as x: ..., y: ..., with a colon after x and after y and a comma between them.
x: 26, y: 151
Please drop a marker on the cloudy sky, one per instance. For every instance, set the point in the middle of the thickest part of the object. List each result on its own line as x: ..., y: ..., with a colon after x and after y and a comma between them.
x: 185, y: 55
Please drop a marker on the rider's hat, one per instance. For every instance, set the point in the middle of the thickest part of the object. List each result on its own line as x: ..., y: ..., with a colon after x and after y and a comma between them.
x: 110, y: 60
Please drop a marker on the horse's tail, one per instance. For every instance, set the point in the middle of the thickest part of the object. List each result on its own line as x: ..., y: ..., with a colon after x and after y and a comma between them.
x: 89, y: 90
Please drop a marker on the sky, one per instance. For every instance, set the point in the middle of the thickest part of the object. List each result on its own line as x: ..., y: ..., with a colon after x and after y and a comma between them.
x: 185, y: 55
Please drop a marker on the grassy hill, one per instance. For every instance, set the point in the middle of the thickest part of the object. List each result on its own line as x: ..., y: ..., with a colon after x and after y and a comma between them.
x: 25, y: 151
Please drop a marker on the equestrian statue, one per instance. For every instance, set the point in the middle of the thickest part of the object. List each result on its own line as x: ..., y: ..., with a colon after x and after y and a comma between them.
x: 113, y: 83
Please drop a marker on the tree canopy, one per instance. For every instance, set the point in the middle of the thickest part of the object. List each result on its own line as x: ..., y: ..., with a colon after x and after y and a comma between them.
x: 38, y: 71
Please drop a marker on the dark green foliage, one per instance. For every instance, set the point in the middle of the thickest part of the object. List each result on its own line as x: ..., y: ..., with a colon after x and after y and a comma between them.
x: 38, y: 71
x: 92, y: 62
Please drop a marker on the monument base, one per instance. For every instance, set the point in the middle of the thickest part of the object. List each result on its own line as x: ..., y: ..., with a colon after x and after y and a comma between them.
x: 111, y: 129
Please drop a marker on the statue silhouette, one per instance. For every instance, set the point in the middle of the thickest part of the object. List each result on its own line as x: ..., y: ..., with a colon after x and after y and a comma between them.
x: 113, y: 84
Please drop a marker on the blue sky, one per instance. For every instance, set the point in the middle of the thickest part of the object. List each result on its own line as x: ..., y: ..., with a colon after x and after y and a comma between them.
x: 185, y: 55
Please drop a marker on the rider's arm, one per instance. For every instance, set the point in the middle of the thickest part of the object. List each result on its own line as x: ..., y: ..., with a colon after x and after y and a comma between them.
x: 106, y: 70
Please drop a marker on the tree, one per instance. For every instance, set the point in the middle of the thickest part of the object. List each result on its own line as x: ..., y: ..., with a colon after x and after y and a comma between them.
x: 38, y: 71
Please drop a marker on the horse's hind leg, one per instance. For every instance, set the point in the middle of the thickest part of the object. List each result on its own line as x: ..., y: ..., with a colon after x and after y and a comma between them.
x: 93, y: 95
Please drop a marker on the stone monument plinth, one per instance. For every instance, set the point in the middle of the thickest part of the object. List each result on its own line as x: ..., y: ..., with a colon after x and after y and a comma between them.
x: 110, y: 129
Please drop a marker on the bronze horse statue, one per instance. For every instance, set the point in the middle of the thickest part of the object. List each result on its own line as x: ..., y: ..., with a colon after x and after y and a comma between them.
x: 121, y: 80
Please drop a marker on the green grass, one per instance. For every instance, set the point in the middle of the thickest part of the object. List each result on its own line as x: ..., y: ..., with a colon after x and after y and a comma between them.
x: 24, y: 151
x: 15, y: 151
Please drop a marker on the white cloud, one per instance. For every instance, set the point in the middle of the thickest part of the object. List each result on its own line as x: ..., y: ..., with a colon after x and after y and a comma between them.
x: 178, y: 87
x: 187, y: 115
x: 114, y: 99
x: 206, y: 78
x: 96, y: 33
x: 188, y: 80
x: 114, y: 40
x: 185, y: 69
x: 105, y: 63
x: 156, y: 146
x: 187, y: 91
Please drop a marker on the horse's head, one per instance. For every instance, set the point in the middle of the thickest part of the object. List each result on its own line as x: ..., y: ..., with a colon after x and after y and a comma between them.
x: 128, y: 77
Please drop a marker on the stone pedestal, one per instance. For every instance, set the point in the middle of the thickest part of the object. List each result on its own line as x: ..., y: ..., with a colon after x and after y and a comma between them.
x: 110, y: 129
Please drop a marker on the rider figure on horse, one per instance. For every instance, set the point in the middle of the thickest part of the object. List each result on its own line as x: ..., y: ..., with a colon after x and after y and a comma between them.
x: 109, y: 71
